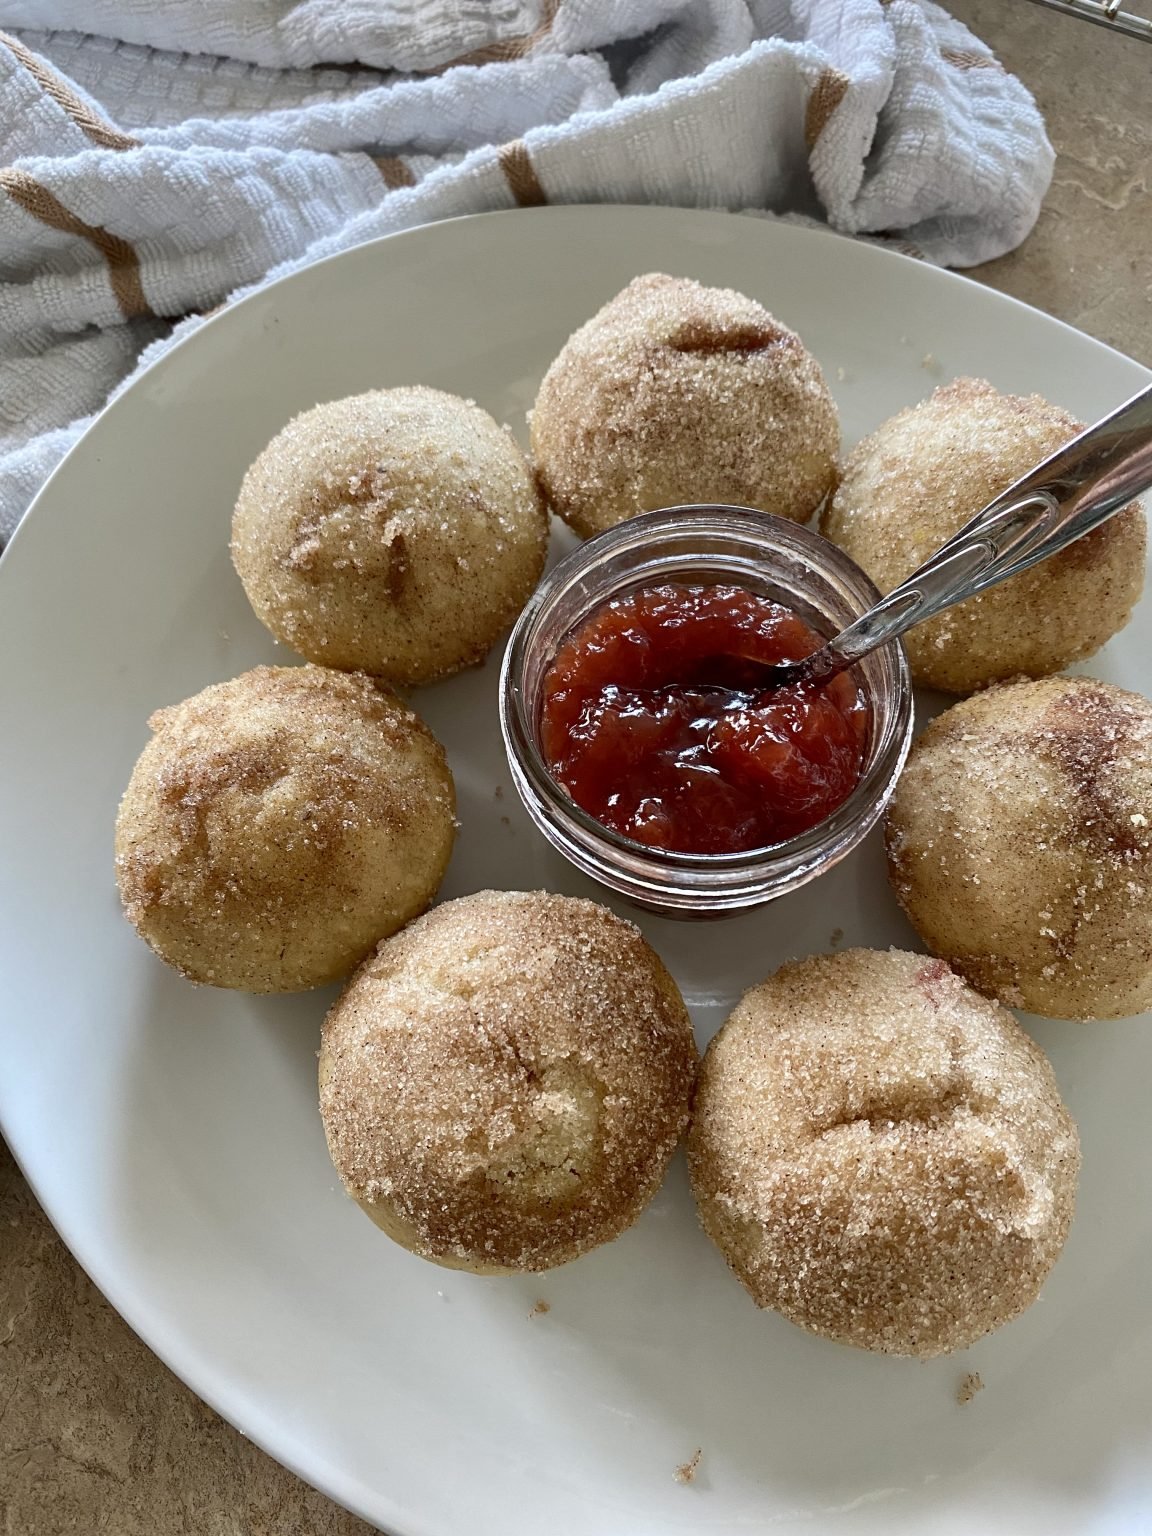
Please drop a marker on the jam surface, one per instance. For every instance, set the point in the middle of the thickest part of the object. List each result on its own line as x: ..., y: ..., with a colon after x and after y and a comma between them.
x: 655, y: 722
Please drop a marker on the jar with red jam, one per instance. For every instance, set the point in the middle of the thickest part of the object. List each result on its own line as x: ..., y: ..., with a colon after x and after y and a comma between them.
x: 641, y: 734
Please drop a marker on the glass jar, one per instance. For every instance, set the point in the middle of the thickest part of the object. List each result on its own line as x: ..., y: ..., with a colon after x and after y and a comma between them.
x: 698, y: 545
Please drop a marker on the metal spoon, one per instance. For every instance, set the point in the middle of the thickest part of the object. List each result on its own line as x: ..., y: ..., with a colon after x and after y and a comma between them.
x: 1078, y: 488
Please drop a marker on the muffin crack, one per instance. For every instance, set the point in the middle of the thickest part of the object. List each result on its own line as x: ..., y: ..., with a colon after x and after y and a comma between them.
x: 703, y: 339
x: 927, y: 1115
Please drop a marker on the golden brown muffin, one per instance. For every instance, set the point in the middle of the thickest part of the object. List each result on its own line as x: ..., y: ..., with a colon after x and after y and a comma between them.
x: 911, y: 485
x: 678, y: 393
x: 504, y: 1083
x: 279, y: 824
x: 398, y: 533
x: 881, y: 1154
x: 1020, y: 845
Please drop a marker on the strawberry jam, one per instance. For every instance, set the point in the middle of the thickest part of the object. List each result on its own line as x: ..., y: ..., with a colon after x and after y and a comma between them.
x: 656, y: 722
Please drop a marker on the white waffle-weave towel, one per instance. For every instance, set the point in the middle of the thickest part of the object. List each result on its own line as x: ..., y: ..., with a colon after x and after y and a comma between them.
x: 157, y: 156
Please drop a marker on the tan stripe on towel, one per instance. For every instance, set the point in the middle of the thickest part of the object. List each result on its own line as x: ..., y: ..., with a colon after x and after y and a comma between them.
x: 508, y: 48
x: 394, y: 172
x: 123, y: 262
x: 520, y: 174
x: 94, y: 127
x: 826, y: 96
x: 966, y: 60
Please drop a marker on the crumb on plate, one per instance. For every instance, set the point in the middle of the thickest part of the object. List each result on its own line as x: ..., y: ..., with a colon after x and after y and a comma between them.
x: 686, y: 1472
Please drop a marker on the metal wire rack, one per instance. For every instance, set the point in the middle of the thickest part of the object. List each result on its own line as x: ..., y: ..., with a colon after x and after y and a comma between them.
x: 1105, y: 13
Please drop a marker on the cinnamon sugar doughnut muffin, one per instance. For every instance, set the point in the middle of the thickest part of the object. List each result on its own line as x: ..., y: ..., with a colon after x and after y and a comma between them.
x: 881, y: 1154
x: 1020, y: 845
x: 675, y: 393
x: 504, y: 1083
x: 397, y: 532
x: 279, y: 824
x: 911, y: 485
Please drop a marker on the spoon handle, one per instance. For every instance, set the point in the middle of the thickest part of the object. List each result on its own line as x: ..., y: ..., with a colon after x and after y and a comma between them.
x: 1067, y: 495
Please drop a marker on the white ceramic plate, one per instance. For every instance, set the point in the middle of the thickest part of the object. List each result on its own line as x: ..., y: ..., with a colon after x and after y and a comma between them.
x: 172, y: 1132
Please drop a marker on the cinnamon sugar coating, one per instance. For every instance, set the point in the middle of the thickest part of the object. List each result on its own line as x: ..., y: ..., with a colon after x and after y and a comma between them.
x: 504, y: 1083
x: 678, y: 393
x: 1020, y: 845
x: 277, y: 825
x: 397, y: 532
x: 918, y: 479
x: 881, y: 1154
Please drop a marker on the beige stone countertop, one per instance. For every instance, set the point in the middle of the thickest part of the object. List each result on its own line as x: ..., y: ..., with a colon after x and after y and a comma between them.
x: 95, y: 1434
